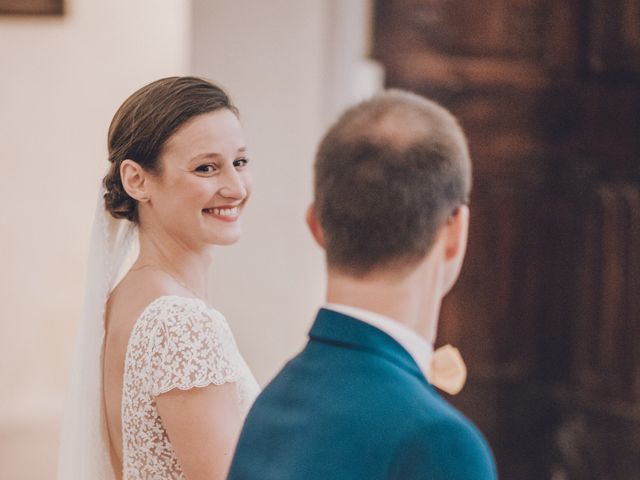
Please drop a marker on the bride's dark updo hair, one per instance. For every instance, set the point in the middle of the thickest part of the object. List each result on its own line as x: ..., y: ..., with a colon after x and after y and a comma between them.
x: 143, y: 124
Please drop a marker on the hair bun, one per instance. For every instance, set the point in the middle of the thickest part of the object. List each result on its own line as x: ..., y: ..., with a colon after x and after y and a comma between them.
x: 116, y: 200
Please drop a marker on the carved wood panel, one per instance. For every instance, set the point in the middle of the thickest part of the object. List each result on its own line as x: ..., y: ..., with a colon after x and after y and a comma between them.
x: 495, y: 43
x: 606, y: 359
x: 614, y: 37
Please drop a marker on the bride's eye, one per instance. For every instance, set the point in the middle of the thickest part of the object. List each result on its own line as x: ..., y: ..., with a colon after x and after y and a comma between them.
x: 207, y: 168
x: 240, y: 162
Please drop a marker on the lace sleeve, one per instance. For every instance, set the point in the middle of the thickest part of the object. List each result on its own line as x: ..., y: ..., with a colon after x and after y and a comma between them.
x: 191, y: 347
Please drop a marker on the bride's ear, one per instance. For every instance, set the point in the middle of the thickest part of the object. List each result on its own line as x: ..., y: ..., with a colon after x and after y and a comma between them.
x: 314, y: 225
x: 134, y: 180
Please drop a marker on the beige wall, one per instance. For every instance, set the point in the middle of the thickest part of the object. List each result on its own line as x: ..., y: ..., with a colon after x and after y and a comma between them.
x: 290, y: 66
x: 62, y: 79
x: 269, y: 55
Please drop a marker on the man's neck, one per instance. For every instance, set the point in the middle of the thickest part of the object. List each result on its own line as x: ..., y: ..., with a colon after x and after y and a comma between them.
x: 413, y: 299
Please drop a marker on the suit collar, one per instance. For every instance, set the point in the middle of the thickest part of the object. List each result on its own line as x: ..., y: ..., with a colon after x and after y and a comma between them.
x: 349, y: 332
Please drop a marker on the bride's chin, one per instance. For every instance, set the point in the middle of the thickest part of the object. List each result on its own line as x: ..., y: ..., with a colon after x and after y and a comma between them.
x: 225, y: 243
x: 225, y: 240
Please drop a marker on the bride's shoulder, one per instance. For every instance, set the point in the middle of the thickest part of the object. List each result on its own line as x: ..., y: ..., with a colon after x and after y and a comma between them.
x: 129, y: 299
x: 134, y: 316
x: 145, y: 301
x: 177, y: 310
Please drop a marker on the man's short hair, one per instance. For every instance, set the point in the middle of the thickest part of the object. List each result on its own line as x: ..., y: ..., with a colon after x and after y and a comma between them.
x: 388, y: 175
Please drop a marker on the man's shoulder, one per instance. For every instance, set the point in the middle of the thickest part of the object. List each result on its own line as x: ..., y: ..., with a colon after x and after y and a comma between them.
x: 442, y: 441
x: 446, y: 423
x: 360, y: 381
x: 354, y: 372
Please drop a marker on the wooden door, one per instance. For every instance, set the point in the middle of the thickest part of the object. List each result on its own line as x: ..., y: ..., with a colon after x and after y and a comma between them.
x: 547, y: 309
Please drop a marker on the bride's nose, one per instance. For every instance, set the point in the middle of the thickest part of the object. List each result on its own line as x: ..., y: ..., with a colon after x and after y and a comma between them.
x: 232, y: 185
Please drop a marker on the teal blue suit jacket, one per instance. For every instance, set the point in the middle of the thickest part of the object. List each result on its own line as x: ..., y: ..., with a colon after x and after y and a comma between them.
x: 354, y: 405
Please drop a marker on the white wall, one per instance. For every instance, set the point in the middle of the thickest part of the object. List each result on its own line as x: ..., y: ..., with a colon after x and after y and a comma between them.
x: 62, y: 80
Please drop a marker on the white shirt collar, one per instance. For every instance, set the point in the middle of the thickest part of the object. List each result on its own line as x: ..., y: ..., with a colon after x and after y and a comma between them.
x: 419, y: 348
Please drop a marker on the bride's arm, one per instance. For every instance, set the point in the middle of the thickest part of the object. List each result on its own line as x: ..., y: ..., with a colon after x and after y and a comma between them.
x: 203, y: 424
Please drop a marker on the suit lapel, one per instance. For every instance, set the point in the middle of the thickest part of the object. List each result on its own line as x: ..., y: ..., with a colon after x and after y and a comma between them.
x: 348, y: 332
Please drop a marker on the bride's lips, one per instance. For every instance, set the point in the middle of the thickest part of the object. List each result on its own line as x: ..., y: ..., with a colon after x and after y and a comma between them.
x: 225, y: 213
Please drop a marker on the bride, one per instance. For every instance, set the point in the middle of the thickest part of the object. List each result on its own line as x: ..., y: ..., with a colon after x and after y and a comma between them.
x: 159, y: 389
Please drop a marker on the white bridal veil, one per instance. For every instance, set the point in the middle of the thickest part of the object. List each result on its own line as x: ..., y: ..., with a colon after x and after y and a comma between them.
x: 84, y: 449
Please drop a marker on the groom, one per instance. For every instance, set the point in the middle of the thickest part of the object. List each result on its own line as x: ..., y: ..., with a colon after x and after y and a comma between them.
x: 392, y: 180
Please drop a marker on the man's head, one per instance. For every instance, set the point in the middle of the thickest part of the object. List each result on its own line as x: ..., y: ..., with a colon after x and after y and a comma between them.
x: 389, y: 175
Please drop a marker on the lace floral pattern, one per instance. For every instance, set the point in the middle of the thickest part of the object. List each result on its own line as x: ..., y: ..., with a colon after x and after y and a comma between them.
x: 180, y: 343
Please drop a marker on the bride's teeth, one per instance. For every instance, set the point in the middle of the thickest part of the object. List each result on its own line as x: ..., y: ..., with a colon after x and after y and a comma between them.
x: 224, y: 212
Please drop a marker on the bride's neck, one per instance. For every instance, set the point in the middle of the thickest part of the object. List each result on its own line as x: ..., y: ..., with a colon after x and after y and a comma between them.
x: 187, y: 265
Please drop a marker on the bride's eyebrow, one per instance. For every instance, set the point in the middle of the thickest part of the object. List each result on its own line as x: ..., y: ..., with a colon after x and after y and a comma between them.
x: 213, y: 155
x: 205, y: 156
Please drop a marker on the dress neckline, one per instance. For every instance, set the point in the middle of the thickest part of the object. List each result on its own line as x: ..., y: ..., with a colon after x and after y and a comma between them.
x: 152, y: 303
x: 181, y: 297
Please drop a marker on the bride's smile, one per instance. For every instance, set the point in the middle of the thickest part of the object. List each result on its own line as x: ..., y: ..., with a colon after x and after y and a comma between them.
x: 226, y: 213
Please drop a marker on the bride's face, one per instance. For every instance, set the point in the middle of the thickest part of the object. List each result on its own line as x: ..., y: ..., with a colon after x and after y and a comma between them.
x: 204, y: 182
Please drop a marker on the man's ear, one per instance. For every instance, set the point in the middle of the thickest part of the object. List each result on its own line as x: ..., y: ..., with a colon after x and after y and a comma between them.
x: 455, y: 245
x: 314, y: 225
x: 134, y: 180
x: 456, y: 232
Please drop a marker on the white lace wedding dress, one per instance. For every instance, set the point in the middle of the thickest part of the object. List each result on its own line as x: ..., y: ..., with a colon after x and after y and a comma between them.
x: 177, y: 342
